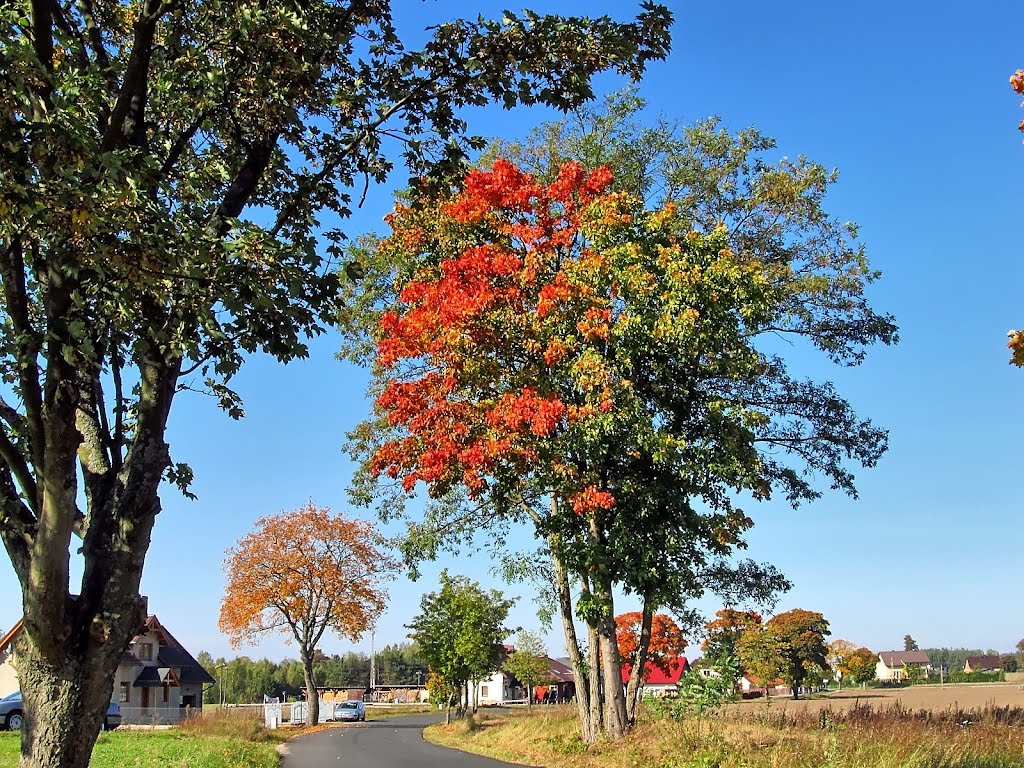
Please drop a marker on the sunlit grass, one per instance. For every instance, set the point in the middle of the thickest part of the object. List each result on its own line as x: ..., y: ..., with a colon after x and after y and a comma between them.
x: 858, y: 738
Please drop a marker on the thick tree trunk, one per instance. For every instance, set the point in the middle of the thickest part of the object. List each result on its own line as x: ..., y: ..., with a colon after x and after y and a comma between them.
x: 639, y: 662
x: 587, y: 730
x: 312, y: 695
x: 66, y: 694
x: 615, y: 722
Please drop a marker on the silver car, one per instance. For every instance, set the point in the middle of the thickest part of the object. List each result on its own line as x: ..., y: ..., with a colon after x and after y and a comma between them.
x: 352, y: 711
x: 11, y: 713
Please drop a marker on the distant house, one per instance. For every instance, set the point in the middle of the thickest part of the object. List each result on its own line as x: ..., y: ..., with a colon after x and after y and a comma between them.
x: 657, y: 683
x: 502, y: 687
x: 157, y: 681
x: 983, y: 664
x: 894, y: 666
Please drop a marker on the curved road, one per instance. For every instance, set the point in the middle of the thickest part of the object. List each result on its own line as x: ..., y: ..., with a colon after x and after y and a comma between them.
x: 394, y: 743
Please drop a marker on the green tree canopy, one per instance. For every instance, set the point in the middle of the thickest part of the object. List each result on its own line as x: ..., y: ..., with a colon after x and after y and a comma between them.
x: 528, y: 663
x: 460, y: 631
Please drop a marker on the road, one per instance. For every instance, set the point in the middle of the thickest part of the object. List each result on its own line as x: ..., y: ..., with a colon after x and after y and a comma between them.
x: 394, y: 743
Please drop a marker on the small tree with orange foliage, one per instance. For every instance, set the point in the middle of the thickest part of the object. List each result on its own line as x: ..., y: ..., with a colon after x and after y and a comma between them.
x: 663, y: 647
x: 301, y: 573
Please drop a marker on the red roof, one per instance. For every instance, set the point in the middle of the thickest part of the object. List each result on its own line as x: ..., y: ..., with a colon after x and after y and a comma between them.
x: 656, y: 676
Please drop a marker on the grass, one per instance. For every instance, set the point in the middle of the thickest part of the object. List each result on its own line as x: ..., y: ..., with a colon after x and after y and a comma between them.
x: 216, y: 741
x: 858, y: 738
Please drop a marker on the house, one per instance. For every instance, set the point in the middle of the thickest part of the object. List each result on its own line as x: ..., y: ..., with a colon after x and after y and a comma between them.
x: 894, y: 666
x: 157, y: 681
x: 503, y: 688
x: 983, y: 664
x: 656, y: 682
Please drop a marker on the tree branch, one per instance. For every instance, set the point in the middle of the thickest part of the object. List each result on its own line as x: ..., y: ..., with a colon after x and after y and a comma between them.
x: 27, y: 346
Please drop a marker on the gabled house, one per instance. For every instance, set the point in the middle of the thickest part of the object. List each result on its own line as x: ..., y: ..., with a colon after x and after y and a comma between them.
x: 157, y: 681
x: 502, y: 687
x: 656, y: 681
x: 983, y: 664
x: 895, y: 666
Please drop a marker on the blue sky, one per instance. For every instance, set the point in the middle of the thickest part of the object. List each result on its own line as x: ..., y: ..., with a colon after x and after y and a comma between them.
x: 911, y: 102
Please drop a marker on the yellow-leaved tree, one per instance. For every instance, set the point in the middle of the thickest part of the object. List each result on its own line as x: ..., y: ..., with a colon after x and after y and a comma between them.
x: 301, y: 573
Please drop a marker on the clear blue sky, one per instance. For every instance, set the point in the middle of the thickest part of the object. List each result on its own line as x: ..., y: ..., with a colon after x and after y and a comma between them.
x: 910, y: 101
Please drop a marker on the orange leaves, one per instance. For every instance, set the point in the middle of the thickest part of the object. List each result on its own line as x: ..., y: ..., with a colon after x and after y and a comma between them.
x: 504, y: 295
x: 528, y: 410
x: 1016, y: 347
x: 302, y: 571
x: 666, y: 646
x: 591, y: 499
x: 1017, y: 83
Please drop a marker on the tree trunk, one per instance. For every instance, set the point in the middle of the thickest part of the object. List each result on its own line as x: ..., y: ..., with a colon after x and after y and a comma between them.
x: 312, y: 695
x: 615, y: 723
x: 448, y: 709
x: 587, y: 730
x: 639, y: 662
x: 66, y: 693
x: 594, y: 679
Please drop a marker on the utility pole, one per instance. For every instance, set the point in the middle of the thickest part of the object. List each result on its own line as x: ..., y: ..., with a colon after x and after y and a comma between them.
x: 373, y: 661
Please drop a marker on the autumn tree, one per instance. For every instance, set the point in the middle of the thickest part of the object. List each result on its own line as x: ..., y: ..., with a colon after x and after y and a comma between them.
x: 549, y: 356
x: 170, y: 182
x: 860, y: 665
x: 643, y: 645
x: 528, y: 663
x: 722, y: 634
x: 773, y: 215
x: 799, y: 637
x: 459, y: 631
x: 302, y: 573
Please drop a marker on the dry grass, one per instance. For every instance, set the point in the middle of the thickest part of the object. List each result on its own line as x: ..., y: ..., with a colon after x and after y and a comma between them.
x: 858, y: 737
x: 243, y: 724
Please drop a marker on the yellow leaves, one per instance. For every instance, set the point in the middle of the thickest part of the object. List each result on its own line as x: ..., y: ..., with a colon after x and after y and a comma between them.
x: 1016, y: 347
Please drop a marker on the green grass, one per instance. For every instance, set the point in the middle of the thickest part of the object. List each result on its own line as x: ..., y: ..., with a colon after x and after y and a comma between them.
x: 161, y: 749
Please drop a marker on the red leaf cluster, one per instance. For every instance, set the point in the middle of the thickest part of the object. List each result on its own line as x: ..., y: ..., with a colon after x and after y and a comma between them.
x: 502, y: 295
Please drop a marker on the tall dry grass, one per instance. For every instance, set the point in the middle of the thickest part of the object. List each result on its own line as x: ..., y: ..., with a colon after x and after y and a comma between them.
x: 243, y: 723
x: 861, y: 737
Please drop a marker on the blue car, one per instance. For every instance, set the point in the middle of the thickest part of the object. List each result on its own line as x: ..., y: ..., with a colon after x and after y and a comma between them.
x: 11, y: 713
x: 351, y: 711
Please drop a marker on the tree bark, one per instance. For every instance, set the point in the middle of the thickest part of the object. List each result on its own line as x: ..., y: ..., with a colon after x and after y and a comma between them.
x: 312, y: 695
x: 615, y: 723
x: 582, y: 677
x: 639, y: 662
x: 66, y: 698
x: 594, y: 680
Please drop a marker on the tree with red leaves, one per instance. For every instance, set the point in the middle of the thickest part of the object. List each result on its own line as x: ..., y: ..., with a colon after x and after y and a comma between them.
x: 646, y: 643
x: 558, y: 354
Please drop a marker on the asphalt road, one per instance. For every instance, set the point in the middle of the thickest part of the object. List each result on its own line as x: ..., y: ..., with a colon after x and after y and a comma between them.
x: 394, y: 743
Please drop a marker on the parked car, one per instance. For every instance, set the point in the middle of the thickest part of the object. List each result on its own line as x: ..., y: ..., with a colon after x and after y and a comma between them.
x: 350, y: 710
x: 11, y: 713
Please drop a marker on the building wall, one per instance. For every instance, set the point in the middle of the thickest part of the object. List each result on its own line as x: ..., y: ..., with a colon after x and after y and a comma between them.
x: 8, y: 677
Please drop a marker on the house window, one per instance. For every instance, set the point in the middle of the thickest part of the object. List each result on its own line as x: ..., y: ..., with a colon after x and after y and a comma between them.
x: 146, y: 651
x: 126, y: 692
x: 167, y: 694
x: 483, y: 691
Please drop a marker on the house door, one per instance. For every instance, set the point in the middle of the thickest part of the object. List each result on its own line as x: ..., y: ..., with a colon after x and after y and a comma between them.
x: 145, y: 697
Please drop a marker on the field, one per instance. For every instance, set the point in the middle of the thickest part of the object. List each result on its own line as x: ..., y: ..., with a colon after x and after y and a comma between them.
x: 931, y: 697
x: 971, y: 726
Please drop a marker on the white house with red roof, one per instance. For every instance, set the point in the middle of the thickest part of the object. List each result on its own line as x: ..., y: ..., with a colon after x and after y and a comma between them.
x: 656, y: 681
